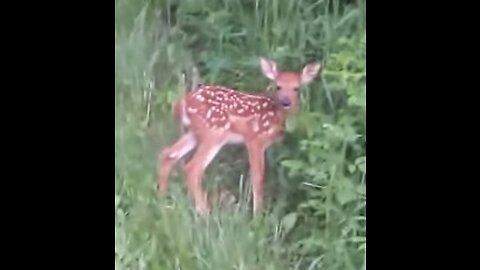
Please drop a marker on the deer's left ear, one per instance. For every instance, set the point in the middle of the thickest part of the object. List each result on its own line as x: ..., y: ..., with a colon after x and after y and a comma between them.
x: 309, y: 72
x: 269, y: 68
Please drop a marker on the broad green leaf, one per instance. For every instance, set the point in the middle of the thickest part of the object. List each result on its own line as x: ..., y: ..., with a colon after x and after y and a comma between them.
x: 362, y: 189
x: 291, y: 124
x: 292, y: 164
x: 351, y: 168
x: 346, y: 192
x: 289, y: 221
x: 358, y: 239
x: 361, y: 163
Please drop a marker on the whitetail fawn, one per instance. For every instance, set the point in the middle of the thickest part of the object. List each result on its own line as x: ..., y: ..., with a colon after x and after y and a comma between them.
x: 212, y: 116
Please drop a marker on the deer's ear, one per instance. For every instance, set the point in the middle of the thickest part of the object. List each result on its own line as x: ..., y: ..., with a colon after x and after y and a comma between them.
x: 309, y: 72
x: 269, y: 68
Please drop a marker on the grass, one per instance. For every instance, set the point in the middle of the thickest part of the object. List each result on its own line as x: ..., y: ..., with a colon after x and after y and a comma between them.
x: 318, y: 225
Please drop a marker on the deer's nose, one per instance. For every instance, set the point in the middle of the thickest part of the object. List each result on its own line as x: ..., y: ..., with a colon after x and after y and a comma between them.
x: 285, y: 101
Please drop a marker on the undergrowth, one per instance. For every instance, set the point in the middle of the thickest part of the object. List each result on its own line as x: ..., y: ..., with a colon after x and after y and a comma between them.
x: 315, y: 216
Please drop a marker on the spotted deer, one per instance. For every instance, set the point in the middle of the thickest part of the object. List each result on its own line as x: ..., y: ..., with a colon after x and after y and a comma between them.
x: 212, y: 116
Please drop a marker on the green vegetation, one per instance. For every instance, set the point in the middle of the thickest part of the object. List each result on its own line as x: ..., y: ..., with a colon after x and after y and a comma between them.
x: 315, y: 194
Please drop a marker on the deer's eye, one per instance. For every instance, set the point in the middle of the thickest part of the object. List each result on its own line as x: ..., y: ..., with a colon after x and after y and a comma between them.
x: 278, y: 88
x: 295, y: 89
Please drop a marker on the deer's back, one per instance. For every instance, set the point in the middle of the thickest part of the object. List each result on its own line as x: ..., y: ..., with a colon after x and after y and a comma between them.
x: 220, y: 109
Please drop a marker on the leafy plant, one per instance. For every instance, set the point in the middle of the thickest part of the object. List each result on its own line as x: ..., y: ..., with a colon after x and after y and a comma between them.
x: 316, y: 178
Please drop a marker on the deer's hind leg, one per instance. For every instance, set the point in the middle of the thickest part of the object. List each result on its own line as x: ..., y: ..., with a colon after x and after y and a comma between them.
x: 170, y: 155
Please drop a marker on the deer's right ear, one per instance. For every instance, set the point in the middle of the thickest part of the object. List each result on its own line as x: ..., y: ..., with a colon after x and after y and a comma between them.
x: 309, y: 72
x: 269, y: 68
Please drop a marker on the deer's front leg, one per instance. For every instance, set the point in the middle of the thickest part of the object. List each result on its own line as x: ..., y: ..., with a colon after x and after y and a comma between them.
x: 256, y: 154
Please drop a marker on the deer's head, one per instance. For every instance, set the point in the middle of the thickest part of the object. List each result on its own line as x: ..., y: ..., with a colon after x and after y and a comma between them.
x: 287, y: 83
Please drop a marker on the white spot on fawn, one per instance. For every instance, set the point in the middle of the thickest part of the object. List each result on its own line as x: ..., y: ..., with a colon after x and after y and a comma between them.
x: 266, y: 124
x: 265, y: 104
x: 192, y: 110
x: 240, y: 111
x: 209, y: 114
x: 211, y: 101
x: 200, y: 98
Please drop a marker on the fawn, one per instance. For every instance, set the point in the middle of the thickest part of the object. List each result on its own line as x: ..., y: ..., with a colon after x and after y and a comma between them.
x: 212, y: 116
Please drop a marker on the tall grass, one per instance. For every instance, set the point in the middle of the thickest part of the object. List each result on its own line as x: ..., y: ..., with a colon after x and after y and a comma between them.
x: 315, y: 193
